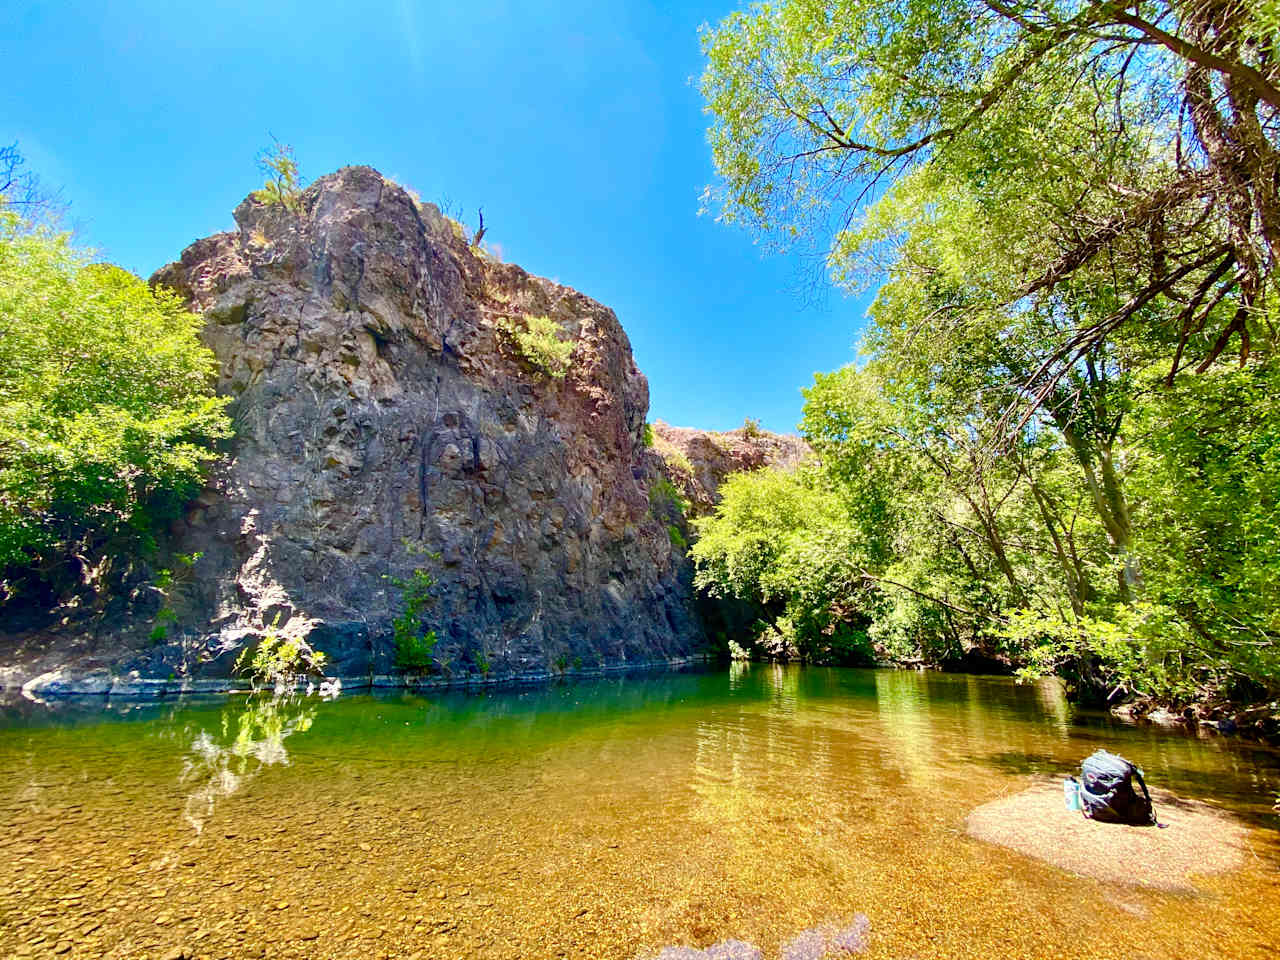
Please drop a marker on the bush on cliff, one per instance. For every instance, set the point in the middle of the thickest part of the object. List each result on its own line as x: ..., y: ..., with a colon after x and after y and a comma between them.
x: 107, y: 413
x: 539, y: 342
x: 414, y: 643
x: 283, y: 186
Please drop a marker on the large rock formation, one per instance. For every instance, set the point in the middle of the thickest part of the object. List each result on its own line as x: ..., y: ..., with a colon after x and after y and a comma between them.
x: 696, y: 462
x: 388, y: 420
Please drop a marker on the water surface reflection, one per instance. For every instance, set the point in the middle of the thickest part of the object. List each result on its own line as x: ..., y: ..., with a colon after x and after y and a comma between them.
x: 761, y: 806
x: 250, y: 737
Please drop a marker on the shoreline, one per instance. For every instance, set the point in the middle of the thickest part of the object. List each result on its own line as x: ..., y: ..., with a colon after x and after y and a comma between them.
x: 63, y: 683
x: 1259, y: 723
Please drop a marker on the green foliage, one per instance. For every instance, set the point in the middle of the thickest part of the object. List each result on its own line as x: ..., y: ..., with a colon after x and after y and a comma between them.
x: 538, y: 340
x: 646, y: 437
x: 750, y: 428
x: 677, y: 538
x: 1022, y: 463
x: 911, y: 541
x: 665, y: 500
x: 414, y: 644
x: 562, y: 662
x: 482, y: 662
x: 414, y: 651
x: 174, y: 583
x: 279, y: 661
x: 787, y: 541
x: 283, y: 186
x: 1207, y: 481
x: 1205, y: 478
x: 108, y: 419
x: 845, y: 123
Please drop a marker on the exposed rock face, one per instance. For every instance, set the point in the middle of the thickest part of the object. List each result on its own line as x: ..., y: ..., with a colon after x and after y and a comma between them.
x: 697, y: 461
x: 386, y: 421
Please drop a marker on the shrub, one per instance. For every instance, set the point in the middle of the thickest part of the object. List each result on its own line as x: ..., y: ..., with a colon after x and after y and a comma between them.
x: 283, y: 186
x: 675, y: 458
x: 538, y: 341
x: 750, y: 428
x: 665, y: 500
x: 677, y: 538
x: 414, y: 651
x: 414, y: 645
x: 280, y: 661
x: 174, y: 584
x: 646, y: 437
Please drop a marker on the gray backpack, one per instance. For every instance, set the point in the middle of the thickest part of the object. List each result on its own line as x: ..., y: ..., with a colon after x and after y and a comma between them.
x: 1107, y: 793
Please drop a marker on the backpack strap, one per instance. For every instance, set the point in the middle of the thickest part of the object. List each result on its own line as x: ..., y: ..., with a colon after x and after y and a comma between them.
x: 1143, y: 784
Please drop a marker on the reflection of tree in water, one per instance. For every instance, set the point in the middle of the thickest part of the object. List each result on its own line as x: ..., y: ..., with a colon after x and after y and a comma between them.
x: 250, y: 739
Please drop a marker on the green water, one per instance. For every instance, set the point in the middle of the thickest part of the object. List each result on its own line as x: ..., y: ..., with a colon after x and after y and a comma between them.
x: 612, y: 818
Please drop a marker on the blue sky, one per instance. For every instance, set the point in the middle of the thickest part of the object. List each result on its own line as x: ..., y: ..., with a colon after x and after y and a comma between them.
x: 574, y: 124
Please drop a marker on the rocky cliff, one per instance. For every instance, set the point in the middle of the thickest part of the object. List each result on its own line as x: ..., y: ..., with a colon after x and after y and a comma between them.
x: 389, y: 419
x: 696, y: 462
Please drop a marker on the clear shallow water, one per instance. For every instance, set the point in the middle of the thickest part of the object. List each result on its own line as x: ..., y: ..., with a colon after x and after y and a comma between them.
x: 605, y: 819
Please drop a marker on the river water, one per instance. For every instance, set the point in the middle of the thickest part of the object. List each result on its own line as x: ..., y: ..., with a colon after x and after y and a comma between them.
x: 615, y: 818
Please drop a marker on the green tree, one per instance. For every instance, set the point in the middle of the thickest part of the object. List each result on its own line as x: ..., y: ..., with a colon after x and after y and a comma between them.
x: 785, y: 541
x: 108, y: 419
x: 1139, y: 140
x: 1207, y: 485
x: 1068, y: 206
x: 283, y: 186
x: 414, y: 643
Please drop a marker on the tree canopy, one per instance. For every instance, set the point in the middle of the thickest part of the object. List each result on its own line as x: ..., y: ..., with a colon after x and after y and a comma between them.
x: 107, y: 413
x: 1071, y: 213
x: 1134, y: 143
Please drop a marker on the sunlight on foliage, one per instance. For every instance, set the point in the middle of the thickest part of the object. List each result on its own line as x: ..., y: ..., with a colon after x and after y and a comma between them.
x: 539, y: 341
x: 414, y: 644
x: 108, y: 420
x: 283, y: 186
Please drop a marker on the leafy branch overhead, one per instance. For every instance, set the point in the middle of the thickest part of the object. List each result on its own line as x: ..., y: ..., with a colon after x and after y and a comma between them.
x: 1071, y: 211
x: 1127, y: 147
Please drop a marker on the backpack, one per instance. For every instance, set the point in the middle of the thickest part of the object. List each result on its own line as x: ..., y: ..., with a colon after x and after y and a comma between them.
x: 1107, y: 794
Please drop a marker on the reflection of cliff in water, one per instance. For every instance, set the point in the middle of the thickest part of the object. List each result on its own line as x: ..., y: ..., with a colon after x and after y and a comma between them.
x: 250, y: 738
